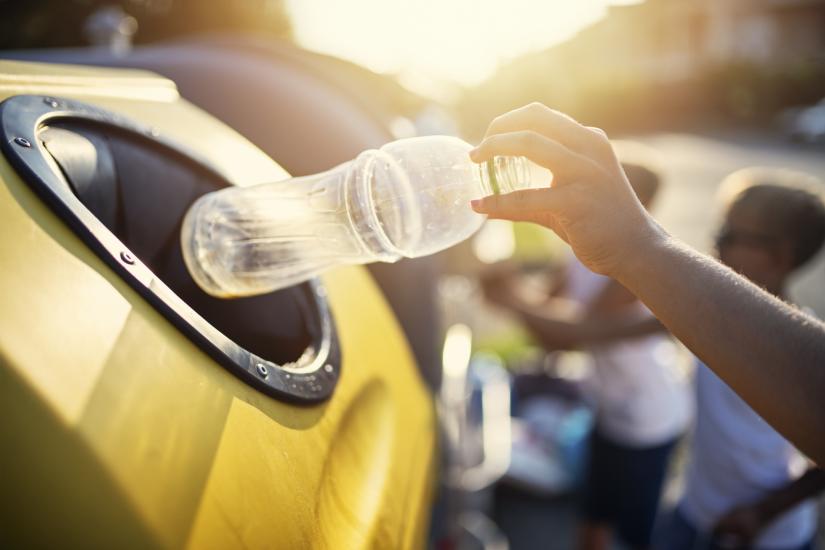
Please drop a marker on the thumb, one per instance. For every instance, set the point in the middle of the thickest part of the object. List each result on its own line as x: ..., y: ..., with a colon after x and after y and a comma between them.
x: 558, y: 228
x: 522, y: 205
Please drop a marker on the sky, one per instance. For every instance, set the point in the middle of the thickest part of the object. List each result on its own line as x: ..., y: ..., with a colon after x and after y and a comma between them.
x: 436, y: 43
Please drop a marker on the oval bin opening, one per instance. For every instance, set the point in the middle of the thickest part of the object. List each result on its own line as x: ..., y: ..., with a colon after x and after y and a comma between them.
x: 141, y: 195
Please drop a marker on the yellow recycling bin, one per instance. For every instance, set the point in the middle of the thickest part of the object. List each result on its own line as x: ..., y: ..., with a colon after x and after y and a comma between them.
x: 139, y: 413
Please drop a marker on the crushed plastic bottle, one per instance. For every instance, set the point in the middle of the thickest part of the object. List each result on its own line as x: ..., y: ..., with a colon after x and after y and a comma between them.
x: 409, y: 198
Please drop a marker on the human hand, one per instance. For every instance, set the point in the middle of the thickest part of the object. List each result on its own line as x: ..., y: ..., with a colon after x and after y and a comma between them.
x: 590, y: 203
x: 496, y: 283
x: 502, y: 271
x: 738, y: 528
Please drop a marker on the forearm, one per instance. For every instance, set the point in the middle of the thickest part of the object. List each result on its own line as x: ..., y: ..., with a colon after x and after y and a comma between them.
x: 809, y: 485
x: 770, y: 354
x: 553, y: 333
x: 757, y: 344
x: 561, y: 334
x: 605, y: 329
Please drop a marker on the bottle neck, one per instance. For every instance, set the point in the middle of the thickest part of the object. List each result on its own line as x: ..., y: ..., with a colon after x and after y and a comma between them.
x: 364, y: 206
x: 501, y: 175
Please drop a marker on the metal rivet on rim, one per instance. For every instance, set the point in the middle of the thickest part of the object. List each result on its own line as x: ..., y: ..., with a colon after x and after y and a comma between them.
x: 262, y: 370
x: 328, y: 368
x: 127, y: 257
x: 22, y: 142
x: 51, y: 102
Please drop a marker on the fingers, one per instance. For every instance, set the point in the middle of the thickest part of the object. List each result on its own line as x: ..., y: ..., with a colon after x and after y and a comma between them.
x: 535, y: 205
x: 564, y: 163
x: 549, y: 123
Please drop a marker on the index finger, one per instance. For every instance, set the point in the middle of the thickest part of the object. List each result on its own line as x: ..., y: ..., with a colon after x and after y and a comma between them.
x: 550, y: 123
x: 565, y: 164
x: 522, y: 205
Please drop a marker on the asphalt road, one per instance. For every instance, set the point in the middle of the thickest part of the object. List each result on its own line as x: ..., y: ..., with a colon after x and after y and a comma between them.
x: 693, y: 166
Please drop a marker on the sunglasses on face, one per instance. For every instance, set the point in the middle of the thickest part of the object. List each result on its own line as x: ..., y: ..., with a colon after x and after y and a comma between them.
x: 728, y: 237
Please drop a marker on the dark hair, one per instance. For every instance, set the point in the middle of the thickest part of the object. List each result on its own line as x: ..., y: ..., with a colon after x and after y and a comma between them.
x: 789, y: 203
x: 645, y: 182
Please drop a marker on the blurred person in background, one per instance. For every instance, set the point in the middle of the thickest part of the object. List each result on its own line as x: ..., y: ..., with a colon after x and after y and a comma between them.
x: 746, y: 485
x: 772, y: 353
x: 642, y: 401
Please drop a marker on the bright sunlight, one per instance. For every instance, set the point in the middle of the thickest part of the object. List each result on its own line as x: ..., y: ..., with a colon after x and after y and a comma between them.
x: 428, y: 42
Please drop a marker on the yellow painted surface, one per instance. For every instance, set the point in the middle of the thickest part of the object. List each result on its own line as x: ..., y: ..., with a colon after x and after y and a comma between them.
x: 118, y: 432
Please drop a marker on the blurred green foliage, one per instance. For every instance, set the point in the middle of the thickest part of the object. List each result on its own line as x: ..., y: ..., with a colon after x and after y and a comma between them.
x: 514, y: 346
x: 534, y: 244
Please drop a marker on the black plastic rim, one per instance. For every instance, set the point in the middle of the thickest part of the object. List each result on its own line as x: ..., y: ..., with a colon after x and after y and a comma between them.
x: 22, y: 116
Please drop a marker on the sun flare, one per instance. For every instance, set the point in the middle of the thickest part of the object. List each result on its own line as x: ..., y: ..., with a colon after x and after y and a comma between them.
x: 455, y: 41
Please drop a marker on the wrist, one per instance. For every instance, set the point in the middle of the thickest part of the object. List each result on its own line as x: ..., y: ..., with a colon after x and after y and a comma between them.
x: 648, y: 246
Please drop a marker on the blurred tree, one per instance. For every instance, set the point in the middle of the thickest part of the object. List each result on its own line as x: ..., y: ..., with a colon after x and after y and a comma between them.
x: 60, y: 23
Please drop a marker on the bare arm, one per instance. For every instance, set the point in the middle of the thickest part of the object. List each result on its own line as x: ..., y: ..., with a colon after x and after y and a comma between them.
x: 557, y: 329
x: 742, y: 525
x: 560, y: 334
x: 772, y: 355
x: 811, y: 484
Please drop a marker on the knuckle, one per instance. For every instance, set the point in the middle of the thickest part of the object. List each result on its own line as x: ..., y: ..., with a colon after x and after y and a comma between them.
x: 499, y: 122
x: 602, y: 147
x: 600, y: 139
x: 530, y: 139
x: 536, y: 107
x: 488, y: 143
x: 494, y: 143
x: 598, y: 131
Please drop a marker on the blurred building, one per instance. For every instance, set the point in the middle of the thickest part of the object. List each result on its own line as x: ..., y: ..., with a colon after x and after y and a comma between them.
x: 765, y: 31
x: 669, y: 40
x: 668, y: 63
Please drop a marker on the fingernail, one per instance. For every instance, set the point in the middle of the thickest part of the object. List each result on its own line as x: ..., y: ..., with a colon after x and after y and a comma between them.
x: 474, y: 153
x: 475, y: 204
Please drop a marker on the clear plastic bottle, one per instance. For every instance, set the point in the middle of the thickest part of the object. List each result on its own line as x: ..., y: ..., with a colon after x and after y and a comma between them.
x: 409, y: 198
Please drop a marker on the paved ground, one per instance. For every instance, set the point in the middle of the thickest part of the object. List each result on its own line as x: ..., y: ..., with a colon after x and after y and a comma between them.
x: 693, y: 165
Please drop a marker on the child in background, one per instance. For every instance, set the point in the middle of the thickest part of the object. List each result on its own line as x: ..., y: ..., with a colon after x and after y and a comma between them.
x: 643, y: 404
x: 745, y: 486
